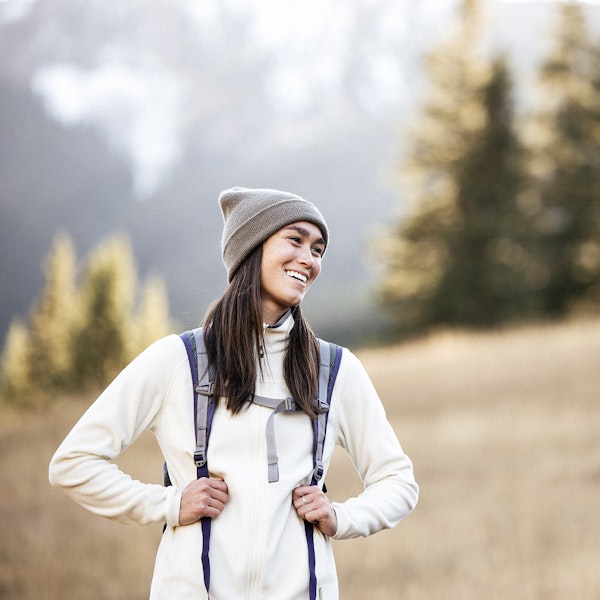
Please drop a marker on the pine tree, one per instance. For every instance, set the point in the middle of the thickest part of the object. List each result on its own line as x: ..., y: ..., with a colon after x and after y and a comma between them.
x: 37, y: 357
x: 488, y: 274
x: 564, y: 145
x: 52, y: 319
x: 16, y: 381
x: 455, y: 257
x: 103, y: 339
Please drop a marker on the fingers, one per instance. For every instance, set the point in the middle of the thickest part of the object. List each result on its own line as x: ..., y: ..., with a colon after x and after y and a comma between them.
x: 312, y: 505
x: 204, y: 497
x: 304, y: 493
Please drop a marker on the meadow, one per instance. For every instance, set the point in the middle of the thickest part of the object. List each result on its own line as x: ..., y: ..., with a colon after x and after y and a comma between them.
x: 504, y: 431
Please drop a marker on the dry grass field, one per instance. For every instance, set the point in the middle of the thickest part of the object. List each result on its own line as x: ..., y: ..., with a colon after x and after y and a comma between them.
x: 504, y: 431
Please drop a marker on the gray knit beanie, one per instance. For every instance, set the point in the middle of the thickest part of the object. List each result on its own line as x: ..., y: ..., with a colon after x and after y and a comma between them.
x: 253, y: 215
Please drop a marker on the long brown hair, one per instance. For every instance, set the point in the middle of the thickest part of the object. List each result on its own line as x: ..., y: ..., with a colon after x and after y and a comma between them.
x: 234, y: 335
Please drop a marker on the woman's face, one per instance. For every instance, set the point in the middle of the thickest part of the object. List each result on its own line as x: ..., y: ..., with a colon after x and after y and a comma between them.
x: 291, y: 261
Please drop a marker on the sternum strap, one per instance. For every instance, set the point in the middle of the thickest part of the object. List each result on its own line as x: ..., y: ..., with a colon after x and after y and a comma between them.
x: 278, y: 405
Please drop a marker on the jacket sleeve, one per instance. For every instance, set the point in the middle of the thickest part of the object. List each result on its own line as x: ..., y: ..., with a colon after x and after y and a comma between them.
x: 390, y: 491
x: 82, y: 467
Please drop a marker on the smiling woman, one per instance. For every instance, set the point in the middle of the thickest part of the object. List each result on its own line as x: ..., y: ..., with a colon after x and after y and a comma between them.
x: 241, y: 511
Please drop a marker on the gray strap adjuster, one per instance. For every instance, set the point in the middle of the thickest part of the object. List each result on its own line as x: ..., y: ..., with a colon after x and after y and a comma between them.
x: 278, y: 405
x: 207, y: 389
x: 200, y: 457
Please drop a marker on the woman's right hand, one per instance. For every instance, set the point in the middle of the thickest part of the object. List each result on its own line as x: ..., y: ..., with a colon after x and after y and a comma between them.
x: 204, y: 497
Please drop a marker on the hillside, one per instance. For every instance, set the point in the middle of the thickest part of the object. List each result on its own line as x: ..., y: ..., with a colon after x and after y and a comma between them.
x: 503, y: 431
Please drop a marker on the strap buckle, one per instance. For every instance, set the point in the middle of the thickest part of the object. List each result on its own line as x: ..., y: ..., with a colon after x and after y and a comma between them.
x: 200, y: 457
x: 318, y: 472
x: 289, y: 405
x: 207, y: 389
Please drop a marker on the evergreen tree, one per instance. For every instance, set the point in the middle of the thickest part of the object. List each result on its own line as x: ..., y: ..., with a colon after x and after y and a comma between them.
x: 16, y: 381
x: 456, y: 257
x: 564, y: 144
x: 102, y: 343
x: 52, y: 319
x: 37, y: 357
x: 488, y: 274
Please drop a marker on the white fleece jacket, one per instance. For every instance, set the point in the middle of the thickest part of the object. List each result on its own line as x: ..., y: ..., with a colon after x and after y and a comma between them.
x: 257, y: 545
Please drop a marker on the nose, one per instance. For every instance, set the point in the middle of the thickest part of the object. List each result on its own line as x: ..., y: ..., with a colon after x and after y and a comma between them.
x: 306, y: 256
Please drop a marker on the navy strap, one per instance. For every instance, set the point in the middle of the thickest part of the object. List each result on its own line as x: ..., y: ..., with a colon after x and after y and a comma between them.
x: 204, y: 408
x: 335, y: 356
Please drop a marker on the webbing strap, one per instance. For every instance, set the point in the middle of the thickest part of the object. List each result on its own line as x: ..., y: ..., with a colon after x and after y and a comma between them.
x: 309, y: 531
x: 285, y: 405
x: 204, y: 407
x: 320, y: 426
x: 325, y: 365
x: 330, y: 363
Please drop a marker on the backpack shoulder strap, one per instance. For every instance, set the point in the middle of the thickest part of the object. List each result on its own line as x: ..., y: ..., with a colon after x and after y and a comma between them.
x: 204, y: 408
x: 330, y: 358
x: 204, y: 405
x: 193, y: 342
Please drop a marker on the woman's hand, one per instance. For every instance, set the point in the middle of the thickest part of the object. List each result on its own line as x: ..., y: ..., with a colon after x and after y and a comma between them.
x: 313, y: 506
x: 204, y: 497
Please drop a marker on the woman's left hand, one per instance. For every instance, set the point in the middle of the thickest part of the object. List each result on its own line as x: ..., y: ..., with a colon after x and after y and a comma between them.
x: 312, y: 505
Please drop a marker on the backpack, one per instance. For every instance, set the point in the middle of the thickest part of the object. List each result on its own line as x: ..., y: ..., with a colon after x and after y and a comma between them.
x: 204, y: 407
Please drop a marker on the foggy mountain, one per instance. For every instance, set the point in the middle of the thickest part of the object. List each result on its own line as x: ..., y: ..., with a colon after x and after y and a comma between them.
x: 134, y: 120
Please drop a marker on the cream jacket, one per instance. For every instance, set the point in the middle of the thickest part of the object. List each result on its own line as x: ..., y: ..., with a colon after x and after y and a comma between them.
x: 257, y: 545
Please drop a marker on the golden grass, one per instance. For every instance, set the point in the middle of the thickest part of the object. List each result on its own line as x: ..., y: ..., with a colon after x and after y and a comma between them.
x: 504, y: 432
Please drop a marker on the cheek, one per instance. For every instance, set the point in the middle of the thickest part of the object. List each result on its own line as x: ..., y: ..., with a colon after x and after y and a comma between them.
x: 316, y: 270
x: 268, y: 272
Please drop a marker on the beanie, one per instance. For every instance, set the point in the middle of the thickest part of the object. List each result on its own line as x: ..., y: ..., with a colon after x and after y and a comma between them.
x: 253, y: 215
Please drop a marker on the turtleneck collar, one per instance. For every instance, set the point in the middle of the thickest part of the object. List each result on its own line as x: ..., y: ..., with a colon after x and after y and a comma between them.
x: 276, y: 334
x: 281, y: 321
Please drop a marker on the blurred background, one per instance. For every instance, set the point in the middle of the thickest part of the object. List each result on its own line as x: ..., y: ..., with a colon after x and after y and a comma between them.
x: 454, y: 148
x: 131, y: 120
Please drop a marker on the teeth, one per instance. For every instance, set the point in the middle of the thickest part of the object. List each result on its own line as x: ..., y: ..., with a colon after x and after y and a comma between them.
x: 297, y: 275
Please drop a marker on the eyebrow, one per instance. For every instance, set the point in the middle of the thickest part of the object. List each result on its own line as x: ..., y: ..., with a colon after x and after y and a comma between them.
x: 305, y: 233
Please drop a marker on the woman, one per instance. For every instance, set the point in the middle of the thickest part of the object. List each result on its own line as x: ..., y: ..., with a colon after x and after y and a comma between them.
x: 258, y: 343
